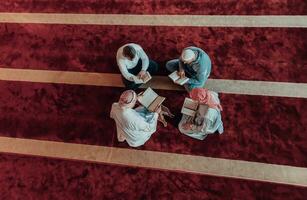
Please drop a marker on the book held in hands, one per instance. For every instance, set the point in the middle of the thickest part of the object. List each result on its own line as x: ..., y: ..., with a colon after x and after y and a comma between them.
x: 150, y: 99
x: 177, y: 79
x: 144, y: 79
x: 191, y: 107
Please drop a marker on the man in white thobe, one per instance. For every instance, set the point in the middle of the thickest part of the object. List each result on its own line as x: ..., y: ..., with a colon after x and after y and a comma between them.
x: 133, y: 125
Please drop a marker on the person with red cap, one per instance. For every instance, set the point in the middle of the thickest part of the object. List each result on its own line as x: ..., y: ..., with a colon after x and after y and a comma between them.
x: 193, y: 63
x: 135, y: 126
x: 206, y: 121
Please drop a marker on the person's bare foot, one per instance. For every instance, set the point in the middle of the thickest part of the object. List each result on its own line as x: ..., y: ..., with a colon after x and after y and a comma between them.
x: 162, y: 120
x: 167, y: 112
x: 164, y: 123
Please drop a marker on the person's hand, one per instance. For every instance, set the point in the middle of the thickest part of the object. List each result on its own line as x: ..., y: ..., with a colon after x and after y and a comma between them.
x: 181, y: 74
x: 186, y: 126
x: 141, y: 74
x: 158, y: 110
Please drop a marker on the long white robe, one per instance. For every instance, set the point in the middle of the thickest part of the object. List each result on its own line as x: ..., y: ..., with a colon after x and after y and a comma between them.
x: 212, y: 122
x: 134, y: 125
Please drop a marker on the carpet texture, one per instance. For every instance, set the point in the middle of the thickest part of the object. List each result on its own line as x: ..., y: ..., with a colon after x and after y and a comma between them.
x: 269, y: 54
x: 201, y: 7
x: 24, y: 177
x: 257, y: 128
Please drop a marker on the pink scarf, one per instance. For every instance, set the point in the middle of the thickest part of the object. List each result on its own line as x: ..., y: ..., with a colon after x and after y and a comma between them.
x: 204, y: 96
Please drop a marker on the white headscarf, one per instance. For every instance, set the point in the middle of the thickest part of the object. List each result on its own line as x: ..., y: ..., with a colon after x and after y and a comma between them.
x: 187, y: 55
x: 127, y: 98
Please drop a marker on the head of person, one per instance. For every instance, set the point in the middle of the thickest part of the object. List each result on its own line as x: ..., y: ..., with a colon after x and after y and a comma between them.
x: 204, y: 96
x: 129, y: 52
x: 127, y: 99
x: 187, y: 56
x: 200, y: 94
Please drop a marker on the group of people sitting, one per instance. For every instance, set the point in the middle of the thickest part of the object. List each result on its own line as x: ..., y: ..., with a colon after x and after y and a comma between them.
x: 136, y: 125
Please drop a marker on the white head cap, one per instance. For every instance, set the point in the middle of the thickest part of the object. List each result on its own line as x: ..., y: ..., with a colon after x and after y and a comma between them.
x: 127, y: 98
x: 187, y: 55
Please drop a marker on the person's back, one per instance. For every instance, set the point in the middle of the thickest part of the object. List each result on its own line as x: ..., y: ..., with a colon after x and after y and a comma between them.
x: 202, y: 64
x: 134, y: 64
x: 193, y: 63
x: 213, y: 121
x: 127, y: 58
x: 133, y: 125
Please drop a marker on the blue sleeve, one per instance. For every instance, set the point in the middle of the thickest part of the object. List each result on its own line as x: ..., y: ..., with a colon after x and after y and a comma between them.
x: 202, y: 75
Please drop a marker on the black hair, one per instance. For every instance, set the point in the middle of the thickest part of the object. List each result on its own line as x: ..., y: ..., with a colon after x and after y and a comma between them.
x: 129, y: 52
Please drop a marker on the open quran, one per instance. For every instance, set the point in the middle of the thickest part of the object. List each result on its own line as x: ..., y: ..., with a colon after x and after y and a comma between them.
x: 150, y: 99
x: 177, y: 79
x: 144, y: 79
x: 191, y: 107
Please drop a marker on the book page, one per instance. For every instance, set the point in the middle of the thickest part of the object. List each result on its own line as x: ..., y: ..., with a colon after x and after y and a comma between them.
x: 174, y: 76
x: 182, y: 81
x: 188, y: 112
x: 190, y: 104
x: 137, y: 80
x: 147, y: 97
x: 147, y: 77
x: 156, y: 103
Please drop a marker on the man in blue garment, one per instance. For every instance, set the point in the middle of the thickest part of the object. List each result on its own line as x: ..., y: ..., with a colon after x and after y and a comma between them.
x: 193, y: 63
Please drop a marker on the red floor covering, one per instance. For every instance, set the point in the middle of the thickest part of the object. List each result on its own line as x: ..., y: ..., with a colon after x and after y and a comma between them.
x: 217, y: 7
x: 261, y: 129
x: 270, y: 54
x: 257, y: 128
x: 23, y: 177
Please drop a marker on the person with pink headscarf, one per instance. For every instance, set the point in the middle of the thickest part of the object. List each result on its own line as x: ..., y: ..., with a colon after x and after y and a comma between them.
x: 133, y: 125
x: 208, y: 120
x: 204, y: 96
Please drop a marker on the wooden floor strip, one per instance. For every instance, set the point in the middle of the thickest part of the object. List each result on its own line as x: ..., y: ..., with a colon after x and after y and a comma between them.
x: 286, y: 21
x: 265, y: 88
x: 158, y: 160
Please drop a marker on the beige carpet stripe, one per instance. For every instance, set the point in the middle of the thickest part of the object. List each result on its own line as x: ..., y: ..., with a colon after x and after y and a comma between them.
x: 159, y: 20
x: 158, y: 160
x: 265, y: 88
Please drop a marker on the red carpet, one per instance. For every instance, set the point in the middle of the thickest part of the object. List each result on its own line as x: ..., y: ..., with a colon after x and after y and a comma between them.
x: 24, y: 177
x: 257, y: 128
x: 204, y: 7
x: 262, y: 129
x: 269, y: 54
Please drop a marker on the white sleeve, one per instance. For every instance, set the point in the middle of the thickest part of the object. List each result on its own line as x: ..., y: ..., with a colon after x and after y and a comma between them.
x: 144, y: 58
x: 124, y: 71
x: 111, y: 112
x: 142, y: 125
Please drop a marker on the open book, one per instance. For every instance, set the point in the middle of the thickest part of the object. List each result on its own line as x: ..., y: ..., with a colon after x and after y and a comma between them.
x: 145, y: 79
x: 150, y: 100
x: 176, y: 78
x: 191, y: 107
